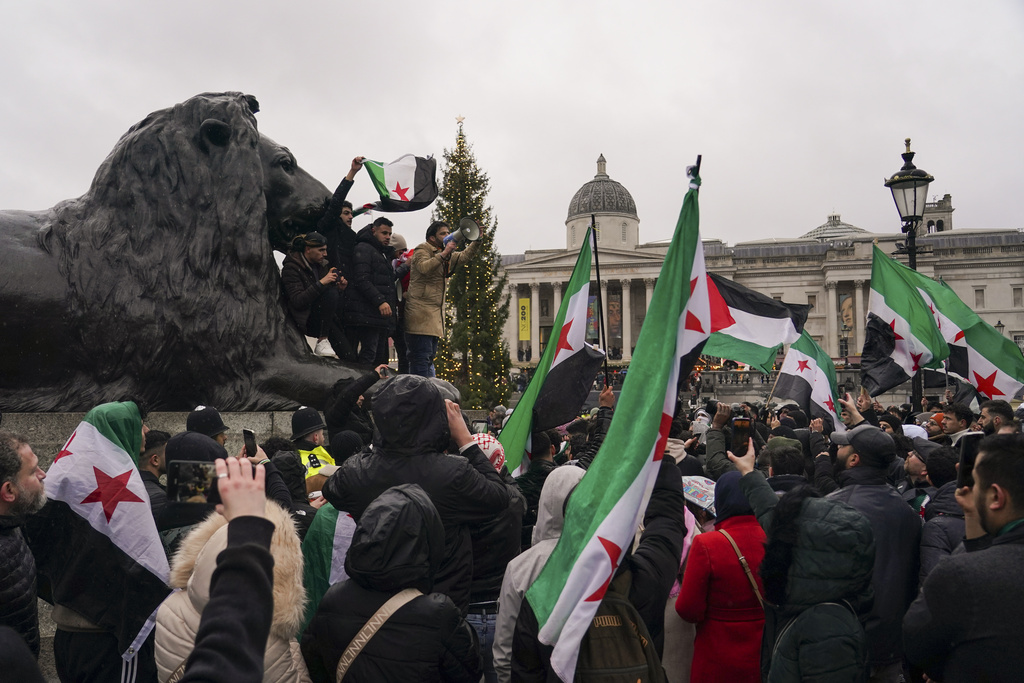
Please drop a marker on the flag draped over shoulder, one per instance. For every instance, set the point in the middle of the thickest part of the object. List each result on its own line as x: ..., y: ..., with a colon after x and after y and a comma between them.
x: 96, y: 545
x: 323, y: 552
x: 808, y: 376
x: 408, y: 183
x: 606, y: 507
x: 978, y: 353
x: 749, y: 327
x: 901, y: 333
x: 565, y: 373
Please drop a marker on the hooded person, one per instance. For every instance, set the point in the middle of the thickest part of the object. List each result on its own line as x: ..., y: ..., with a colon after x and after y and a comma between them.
x: 294, y: 474
x: 521, y: 571
x: 398, y: 544
x: 717, y: 593
x: 192, y: 568
x: 464, y: 488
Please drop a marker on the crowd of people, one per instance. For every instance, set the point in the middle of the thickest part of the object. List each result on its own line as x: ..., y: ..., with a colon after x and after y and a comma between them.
x: 862, y: 554
x: 355, y: 291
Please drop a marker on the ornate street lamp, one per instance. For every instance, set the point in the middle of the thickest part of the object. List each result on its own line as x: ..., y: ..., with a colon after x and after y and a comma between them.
x: 909, y: 187
x: 999, y: 327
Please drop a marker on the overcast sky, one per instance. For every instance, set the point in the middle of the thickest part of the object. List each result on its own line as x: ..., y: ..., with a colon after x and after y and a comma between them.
x: 799, y: 107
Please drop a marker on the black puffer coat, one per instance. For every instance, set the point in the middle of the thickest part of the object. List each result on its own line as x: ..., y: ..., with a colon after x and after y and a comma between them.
x: 399, y: 543
x: 410, y: 448
x: 816, y: 634
x: 943, y: 527
x: 18, y: 583
x: 372, y: 284
x: 302, y: 286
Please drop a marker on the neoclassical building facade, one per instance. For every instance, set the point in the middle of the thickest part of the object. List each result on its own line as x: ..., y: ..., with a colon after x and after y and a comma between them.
x: 828, y: 267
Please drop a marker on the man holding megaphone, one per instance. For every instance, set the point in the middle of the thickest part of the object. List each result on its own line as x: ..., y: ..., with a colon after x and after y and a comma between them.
x: 433, y: 262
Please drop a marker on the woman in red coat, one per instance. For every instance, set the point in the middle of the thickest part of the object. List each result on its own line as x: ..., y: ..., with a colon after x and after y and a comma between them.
x: 717, y: 595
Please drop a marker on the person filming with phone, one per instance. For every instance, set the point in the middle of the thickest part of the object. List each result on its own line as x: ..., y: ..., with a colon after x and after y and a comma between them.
x: 313, y: 288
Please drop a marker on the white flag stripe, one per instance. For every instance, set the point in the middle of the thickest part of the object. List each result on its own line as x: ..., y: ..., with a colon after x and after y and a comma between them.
x: 576, y: 316
x: 72, y: 478
x: 343, y: 531
x: 906, y: 346
x: 755, y: 329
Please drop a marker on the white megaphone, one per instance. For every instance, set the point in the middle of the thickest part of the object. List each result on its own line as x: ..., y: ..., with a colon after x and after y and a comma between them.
x: 468, y: 231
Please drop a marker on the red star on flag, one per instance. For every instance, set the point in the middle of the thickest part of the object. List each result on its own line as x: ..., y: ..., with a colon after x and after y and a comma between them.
x: 663, y: 429
x: 613, y: 554
x: 110, y: 491
x: 916, y: 357
x: 958, y: 337
x: 802, y: 365
x: 400, y: 191
x: 987, y: 385
x: 64, y: 451
x: 693, y: 323
x: 830, y: 404
x: 895, y: 334
x: 563, y: 339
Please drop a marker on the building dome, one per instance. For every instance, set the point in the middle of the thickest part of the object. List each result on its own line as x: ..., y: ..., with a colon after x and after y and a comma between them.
x: 602, y: 195
x: 833, y: 229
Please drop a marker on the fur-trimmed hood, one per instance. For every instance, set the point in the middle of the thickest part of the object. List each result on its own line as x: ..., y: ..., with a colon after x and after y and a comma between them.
x: 192, y: 567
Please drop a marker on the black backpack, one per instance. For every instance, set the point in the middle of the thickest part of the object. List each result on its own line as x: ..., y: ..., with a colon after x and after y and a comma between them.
x: 617, y: 647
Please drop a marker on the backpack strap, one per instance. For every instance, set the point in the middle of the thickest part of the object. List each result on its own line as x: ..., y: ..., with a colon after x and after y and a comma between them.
x: 371, y: 627
x: 746, y: 567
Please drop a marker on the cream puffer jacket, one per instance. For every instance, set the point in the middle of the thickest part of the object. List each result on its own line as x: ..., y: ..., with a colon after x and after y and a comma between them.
x: 192, y: 567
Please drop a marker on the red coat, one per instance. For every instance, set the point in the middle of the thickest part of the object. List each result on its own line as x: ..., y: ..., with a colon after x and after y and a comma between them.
x: 717, y: 596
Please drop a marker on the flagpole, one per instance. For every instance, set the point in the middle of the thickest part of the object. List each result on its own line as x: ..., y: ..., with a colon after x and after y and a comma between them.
x: 600, y: 299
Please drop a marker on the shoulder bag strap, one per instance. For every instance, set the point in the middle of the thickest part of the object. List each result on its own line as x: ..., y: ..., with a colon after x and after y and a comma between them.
x: 371, y: 627
x: 746, y: 567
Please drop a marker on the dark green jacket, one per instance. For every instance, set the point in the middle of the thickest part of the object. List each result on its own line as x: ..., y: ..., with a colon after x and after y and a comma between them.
x: 817, y: 635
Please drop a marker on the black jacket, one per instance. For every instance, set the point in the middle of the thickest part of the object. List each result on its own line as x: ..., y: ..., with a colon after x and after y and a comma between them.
x: 344, y: 412
x: 530, y: 484
x: 341, y: 239
x: 966, y: 623
x: 399, y: 543
x: 18, y: 583
x: 654, y: 566
x: 897, y: 532
x: 372, y: 284
x: 302, y: 286
x: 495, y: 543
x: 943, y: 527
x: 293, y: 473
x: 414, y: 432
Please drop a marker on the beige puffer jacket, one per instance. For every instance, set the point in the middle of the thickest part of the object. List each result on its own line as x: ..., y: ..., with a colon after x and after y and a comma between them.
x: 192, y: 567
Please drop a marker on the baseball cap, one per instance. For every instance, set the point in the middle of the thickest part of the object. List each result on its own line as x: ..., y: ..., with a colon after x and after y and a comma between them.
x: 875, y: 447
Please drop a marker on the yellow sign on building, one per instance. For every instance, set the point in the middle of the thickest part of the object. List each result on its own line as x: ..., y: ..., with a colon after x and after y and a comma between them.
x: 524, y: 320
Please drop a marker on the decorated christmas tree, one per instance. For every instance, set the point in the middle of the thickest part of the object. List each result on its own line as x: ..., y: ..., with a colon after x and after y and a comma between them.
x: 473, y: 355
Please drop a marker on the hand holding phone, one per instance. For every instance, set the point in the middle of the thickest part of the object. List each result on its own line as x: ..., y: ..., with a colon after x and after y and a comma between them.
x: 250, y: 442
x: 190, y: 481
x: 740, y: 435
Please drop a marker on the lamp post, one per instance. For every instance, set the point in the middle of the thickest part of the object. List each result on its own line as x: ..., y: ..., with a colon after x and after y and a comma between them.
x: 846, y: 345
x: 999, y: 327
x: 909, y: 187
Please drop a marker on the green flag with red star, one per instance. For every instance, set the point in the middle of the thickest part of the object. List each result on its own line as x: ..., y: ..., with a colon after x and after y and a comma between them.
x: 606, y: 507
x: 564, y: 375
x: 408, y: 183
x: 96, y: 541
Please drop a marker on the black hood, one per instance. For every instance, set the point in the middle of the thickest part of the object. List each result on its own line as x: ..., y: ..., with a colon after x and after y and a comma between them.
x: 398, y: 543
x: 943, y: 502
x: 410, y: 417
x: 193, y: 446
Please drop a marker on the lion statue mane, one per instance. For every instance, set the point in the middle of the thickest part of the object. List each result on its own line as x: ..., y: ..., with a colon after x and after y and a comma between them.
x: 160, y: 282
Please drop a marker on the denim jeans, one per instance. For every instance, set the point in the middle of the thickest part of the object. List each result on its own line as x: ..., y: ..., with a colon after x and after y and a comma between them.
x: 421, y: 349
x: 484, y: 624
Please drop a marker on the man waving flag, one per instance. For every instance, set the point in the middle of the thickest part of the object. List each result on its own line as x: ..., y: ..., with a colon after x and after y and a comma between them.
x: 564, y: 374
x: 408, y: 183
x: 606, y: 507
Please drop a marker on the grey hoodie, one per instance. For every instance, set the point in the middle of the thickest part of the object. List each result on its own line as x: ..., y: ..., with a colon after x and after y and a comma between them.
x: 522, y: 571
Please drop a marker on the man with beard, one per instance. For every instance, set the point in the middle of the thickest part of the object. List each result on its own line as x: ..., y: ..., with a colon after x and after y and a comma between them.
x: 965, y: 624
x: 862, y: 460
x: 21, y: 493
x: 994, y: 414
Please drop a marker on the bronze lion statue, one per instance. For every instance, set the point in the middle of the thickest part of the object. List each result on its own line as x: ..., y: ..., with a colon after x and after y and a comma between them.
x: 160, y: 282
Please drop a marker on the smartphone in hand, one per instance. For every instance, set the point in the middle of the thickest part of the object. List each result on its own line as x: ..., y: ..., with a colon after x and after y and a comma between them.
x: 740, y: 435
x: 191, y: 481
x: 250, y: 442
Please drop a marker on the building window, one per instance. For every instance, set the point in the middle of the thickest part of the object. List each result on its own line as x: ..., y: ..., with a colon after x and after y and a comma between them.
x: 979, y: 298
x: 777, y: 297
x: 940, y: 225
x: 572, y: 230
x: 623, y: 232
x: 1018, y: 297
x: 597, y: 231
x: 812, y: 300
x: 931, y: 227
x: 1018, y: 339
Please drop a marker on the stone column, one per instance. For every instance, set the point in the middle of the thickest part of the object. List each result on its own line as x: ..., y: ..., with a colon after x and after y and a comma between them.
x: 831, y: 345
x: 512, y: 326
x: 649, y: 284
x: 604, y: 316
x: 556, y: 287
x: 627, y: 319
x: 861, y: 317
x: 534, y: 321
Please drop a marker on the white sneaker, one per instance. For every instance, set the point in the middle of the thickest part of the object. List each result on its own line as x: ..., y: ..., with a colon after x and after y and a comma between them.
x: 323, y: 348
